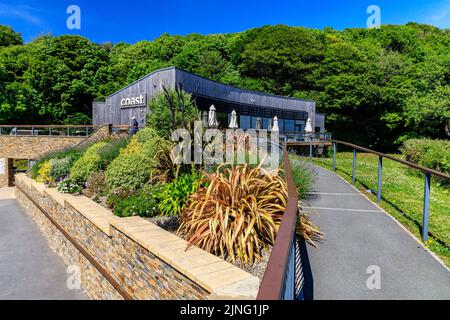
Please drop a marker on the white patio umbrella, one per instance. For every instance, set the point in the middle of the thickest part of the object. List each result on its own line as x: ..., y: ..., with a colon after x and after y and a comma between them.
x: 205, y: 118
x: 308, y: 126
x: 233, y: 122
x: 258, y: 124
x: 275, y: 125
x: 212, y: 121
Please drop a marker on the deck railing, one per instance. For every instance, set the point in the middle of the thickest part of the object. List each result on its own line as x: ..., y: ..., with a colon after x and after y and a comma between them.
x: 427, y: 176
x: 48, y: 130
x: 306, y: 136
x: 279, y: 280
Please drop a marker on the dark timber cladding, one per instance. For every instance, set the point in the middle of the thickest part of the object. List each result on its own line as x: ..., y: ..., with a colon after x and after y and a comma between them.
x: 120, y: 107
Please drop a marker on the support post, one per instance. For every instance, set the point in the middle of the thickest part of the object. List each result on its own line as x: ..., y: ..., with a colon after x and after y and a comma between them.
x: 354, y: 167
x: 310, y: 150
x: 334, y: 156
x: 426, y: 207
x: 380, y: 178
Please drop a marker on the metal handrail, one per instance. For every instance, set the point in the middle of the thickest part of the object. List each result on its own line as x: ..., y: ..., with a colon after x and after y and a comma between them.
x: 306, y: 136
x: 387, y: 156
x: 278, y: 279
x: 36, y: 130
x: 427, y: 171
x: 48, y: 126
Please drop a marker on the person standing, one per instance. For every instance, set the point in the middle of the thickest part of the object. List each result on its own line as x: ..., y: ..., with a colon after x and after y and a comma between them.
x: 134, y: 126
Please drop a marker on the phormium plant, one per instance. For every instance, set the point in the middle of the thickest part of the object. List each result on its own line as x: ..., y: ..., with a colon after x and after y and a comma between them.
x: 238, y: 215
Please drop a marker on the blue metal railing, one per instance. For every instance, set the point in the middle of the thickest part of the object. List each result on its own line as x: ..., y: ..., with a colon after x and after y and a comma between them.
x: 427, y: 177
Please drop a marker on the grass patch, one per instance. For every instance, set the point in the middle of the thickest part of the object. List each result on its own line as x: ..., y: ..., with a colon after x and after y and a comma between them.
x: 402, y: 196
x: 303, y: 174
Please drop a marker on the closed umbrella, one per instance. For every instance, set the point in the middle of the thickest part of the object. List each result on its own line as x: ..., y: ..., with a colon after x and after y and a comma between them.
x: 308, y: 126
x: 212, y: 121
x: 205, y: 118
x: 258, y: 125
x: 233, y: 122
x: 275, y: 125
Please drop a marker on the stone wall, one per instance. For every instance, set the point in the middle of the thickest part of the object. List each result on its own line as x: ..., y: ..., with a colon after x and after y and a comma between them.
x: 145, y: 261
x: 102, y: 132
x: 6, y: 172
x: 33, y: 147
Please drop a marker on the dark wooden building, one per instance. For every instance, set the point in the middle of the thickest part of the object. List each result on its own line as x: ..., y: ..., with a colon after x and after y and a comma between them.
x: 132, y: 101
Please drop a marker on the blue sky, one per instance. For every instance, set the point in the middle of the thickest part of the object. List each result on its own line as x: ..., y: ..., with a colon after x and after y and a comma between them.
x: 131, y: 20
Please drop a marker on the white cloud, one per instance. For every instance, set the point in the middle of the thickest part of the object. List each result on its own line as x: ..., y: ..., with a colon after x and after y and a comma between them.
x: 22, y: 12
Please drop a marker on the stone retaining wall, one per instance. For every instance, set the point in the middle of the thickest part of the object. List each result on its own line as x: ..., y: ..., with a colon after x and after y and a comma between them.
x: 33, y: 147
x: 145, y: 260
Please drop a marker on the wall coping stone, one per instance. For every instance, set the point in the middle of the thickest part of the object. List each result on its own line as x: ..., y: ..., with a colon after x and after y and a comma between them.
x: 219, y: 277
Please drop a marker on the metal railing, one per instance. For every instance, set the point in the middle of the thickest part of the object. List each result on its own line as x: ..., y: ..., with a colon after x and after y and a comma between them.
x: 48, y: 130
x: 305, y: 136
x: 279, y: 282
x: 427, y: 177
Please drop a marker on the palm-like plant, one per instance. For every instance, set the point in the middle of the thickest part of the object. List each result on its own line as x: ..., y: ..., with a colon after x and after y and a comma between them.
x: 238, y: 215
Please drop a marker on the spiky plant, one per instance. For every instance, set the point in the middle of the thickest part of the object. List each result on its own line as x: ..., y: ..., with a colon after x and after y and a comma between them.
x: 238, y: 215
x: 307, y: 229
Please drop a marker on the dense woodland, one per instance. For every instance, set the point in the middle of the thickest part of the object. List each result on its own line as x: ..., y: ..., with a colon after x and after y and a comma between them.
x: 377, y: 87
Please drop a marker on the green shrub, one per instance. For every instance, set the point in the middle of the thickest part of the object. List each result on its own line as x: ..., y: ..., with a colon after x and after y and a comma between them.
x: 77, y: 118
x: 146, y: 135
x: 96, y: 184
x: 433, y: 154
x: 129, y: 172
x: 109, y: 152
x: 44, y: 172
x: 160, y: 117
x: 60, y: 168
x: 72, y: 154
x: 89, y: 163
x: 135, y: 165
x: 173, y: 196
x: 21, y: 164
x: 69, y: 186
x: 143, y: 204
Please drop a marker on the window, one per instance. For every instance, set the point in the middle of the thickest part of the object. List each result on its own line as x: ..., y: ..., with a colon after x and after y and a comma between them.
x: 281, y: 124
x: 244, y: 122
x: 289, y: 125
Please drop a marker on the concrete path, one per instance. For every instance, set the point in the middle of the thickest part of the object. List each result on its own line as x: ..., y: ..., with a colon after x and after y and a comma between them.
x: 29, y: 269
x: 359, y: 235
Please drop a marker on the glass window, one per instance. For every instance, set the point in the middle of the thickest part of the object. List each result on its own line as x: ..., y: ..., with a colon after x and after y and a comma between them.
x: 222, y: 119
x: 244, y: 122
x: 266, y: 122
x: 253, y: 125
x: 281, y: 124
x: 289, y: 125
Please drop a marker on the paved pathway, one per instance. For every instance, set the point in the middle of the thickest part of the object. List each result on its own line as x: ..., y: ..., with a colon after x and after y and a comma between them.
x: 358, y: 235
x: 29, y: 269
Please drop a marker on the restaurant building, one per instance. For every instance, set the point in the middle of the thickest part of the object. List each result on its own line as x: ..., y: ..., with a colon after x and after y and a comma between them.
x: 253, y: 108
